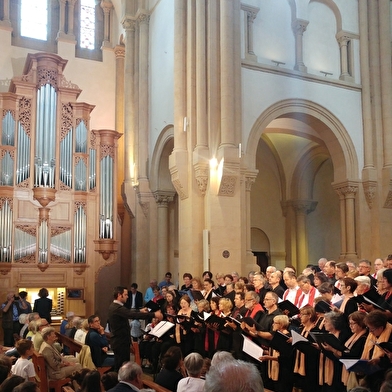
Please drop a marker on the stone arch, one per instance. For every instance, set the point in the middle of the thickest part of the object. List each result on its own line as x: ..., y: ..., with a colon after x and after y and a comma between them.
x: 259, y: 240
x: 165, y: 138
x: 334, y: 8
x: 326, y: 124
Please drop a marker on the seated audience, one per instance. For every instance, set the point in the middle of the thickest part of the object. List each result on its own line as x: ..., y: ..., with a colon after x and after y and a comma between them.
x: 172, y: 369
x: 23, y: 366
x: 193, y: 364
x: 129, y: 376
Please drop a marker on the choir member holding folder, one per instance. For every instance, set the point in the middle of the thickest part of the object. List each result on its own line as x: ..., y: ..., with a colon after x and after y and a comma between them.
x: 280, y: 356
x: 183, y: 333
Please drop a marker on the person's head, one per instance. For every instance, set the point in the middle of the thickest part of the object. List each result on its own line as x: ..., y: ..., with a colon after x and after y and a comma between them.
x: 153, y: 283
x: 352, y: 266
x: 304, y: 283
x: 281, y: 322
x: 229, y: 288
x: 109, y: 380
x: 120, y: 293
x: 307, y: 314
x: 203, y: 306
x: 185, y: 301
x: 91, y: 382
x: 43, y: 293
x: 23, y: 294
x: 78, y: 376
x: 387, y: 279
x: 319, y: 278
x: 131, y: 373
x: 94, y: 322
x: 10, y: 383
x: 363, y: 284
x: 356, y: 321
x: 220, y: 278
x: 341, y: 270
x: 221, y: 357
x: 258, y: 281
x: 243, y: 279
x: 388, y: 261
x: 194, y: 364
x: 170, y: 296
x: 329, y: 268
x: 386, y: 386
x: 207, y: 275
x: 334, y: 321
x: 239, y: 300
x: 364, y: 267
x: 274, y: 279
x: 348, y: 285
x: 233, y: 376
x: 251, y: 274
x: 214, y: 303
x: 321, y: 263
x: 5, y: 367
x: 239, y: 287
x: 326, y: 291
x: 156, y: 291
x: 187, y: 278
x: 196, y: 284
x: 27, y: 386
x: 172, y: 358
x: 378, y: 264
x: 228, y: 279
x: 290, y: 279
x: 376, y: 322
x: 225, y: 305
x: 24, y: 347
x: 235, y: 276
x: 270, y: 300
x: 251, y: 299
x: 270, y: 269
x: 133, y: 288
x: 49, y: 335
x: 208, y: 284
x: 168, y: 276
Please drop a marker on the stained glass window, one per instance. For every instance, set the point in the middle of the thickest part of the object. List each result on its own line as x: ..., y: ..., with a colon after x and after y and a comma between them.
x: 34, y: 19
x: 87, y: 24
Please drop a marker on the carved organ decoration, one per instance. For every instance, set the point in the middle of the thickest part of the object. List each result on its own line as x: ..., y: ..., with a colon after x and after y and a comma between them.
x: 49, y: 154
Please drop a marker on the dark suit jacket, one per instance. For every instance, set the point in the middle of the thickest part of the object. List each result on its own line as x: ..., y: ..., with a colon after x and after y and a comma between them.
x: 119, y: 324
x: 138, y: 300
x: 121, y: 387
x: 43, y: 306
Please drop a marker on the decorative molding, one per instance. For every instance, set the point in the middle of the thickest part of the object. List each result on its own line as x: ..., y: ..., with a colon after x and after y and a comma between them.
x: 163, y: 198
x: 67, y: 84
x: 56, y: 230
x: 66, y: 119
x: 13, y: 113
x: 227, y: 185
x: 370, y: 189
x: 201, y: 175
x: 29, y: 229
x: 47, y: 76
x: 303, y: 206
x: 107, y: 149
x: 4, y: 199
x: 25, y: 114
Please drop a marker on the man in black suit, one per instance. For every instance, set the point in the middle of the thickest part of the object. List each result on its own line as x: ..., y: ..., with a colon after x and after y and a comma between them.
x: 119, y: 315
x: 135, y: 299
x: 130, y: 376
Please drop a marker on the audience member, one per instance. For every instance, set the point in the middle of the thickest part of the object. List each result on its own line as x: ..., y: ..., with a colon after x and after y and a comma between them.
x: 193, y: 364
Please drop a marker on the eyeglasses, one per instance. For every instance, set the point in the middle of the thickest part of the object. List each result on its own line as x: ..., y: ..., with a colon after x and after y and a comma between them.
x: 352, y: 323
x: 249, y: 299
x: 268, y: 299
x: 372, y: 329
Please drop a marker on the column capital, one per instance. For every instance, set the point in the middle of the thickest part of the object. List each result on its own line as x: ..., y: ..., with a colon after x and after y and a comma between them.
x: 163, y: 198
x: 346, y: 189
x: 129, y: 23
x: 251, y: 12
x: 299, y: 26
x: 303, y: 206
x: 370, y: 190
x: 119, y: 51
x: 143, y: 17
x: 106, y: 5
x: 250, y: 179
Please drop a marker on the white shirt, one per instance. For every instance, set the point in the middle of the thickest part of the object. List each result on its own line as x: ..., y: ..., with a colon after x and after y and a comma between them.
x: 190, y: 384
x: 24, y: 368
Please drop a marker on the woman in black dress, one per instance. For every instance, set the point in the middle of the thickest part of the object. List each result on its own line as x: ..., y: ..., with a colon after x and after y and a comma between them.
x: 43, y: 305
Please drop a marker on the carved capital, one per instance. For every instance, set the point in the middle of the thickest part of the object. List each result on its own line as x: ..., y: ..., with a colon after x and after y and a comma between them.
x: 299, y: 26
x: 346, y: 191
x: 163, y: 198
x: 129, y: 24
x: 201, y: 175
x: 227, y: 185
x: 303, y: 206
x: 119, y: 51
x: 370, y: 188
x: 106, y: 5
x: 143, y: 18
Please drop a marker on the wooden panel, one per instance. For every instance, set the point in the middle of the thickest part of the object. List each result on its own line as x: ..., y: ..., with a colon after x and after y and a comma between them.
x: 36, y: 278
x: 60, y: 212
x: 26, y: 210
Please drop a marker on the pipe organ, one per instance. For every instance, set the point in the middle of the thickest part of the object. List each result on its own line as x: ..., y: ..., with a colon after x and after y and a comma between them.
x: 57, y: 179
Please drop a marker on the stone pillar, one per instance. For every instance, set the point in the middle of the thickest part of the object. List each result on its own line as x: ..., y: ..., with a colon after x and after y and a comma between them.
x: 143, y: 21
x: 343, y: 40
x: 250, y: 16
x: 107, y: 7
x: 163, y: 199
x: 71, y: 19
x: 6, y: 21
x: 299, y: 27
x: 347, y: 192
x: 119, y: 52
x: 250, y: 179
x: 129, y: 25
x: 227, y: 74
x: 302, y: 208
x: 61, y: 32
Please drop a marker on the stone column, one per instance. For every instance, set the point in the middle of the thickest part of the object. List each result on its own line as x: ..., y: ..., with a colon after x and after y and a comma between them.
x: 163, y: 199
x: 6, y: 21
x: 227, y: 74
x: 343, y: 40
x: 302, y: 208
x: 299, y: 27
x: 143, y: 21
x: 250, y: 179
x: 250, y: 16
x: 129, y: 25
x: 61, y: 32
x: 107, y: 7
x: 71, y: 19
x: 347, y: 192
